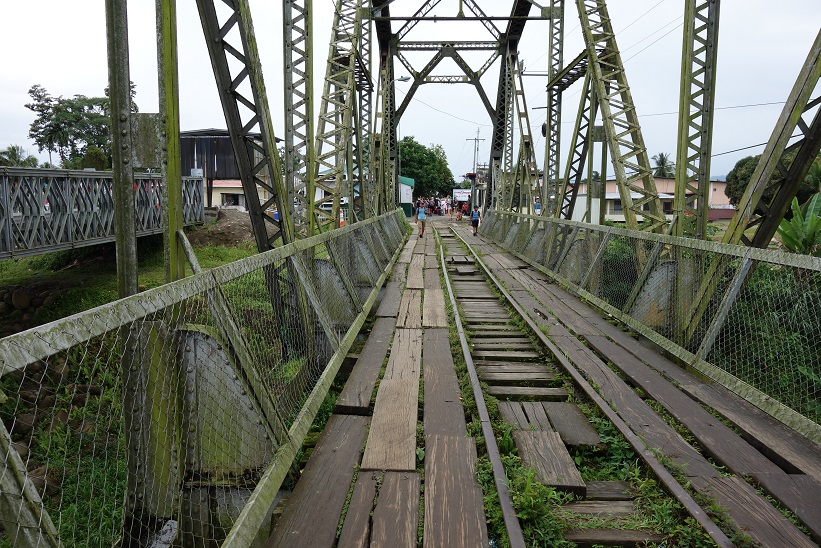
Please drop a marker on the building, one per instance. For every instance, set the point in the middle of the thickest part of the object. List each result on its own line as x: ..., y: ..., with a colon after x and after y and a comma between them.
x: 720, y: 207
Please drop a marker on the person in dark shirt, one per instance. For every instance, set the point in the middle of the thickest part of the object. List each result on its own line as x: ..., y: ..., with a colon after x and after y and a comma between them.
x: 474, y: 218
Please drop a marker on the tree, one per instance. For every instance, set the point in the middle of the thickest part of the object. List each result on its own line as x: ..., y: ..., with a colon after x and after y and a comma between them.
x: 739, y: 178
x: 664, y: 166
x: 596, y: 177
x: 16, y: 156
x: 428, y: 166
x: 69, y: 126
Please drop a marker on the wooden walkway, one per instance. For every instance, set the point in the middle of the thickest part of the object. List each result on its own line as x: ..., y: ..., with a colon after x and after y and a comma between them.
x: 392, y: 443
x: 394, y: 463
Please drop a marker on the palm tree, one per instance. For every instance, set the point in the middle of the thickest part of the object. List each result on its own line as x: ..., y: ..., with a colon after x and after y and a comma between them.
x: 16, y: 156
x: 664, y: 167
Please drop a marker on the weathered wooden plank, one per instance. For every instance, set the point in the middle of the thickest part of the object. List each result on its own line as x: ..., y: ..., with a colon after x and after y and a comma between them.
x: 356, y: 530
x: 539, y: 378
x: 609, y: 490
x: 514, y: 338
x: 545, y: 453
x: 513, y: 356
x: 528, y: 392
x: 407, y: 252
x: 410, y: 309
x: 454, y: 511
x: 355, y: 398
x: 612, y: 537
x: 389, y: 305
x: 314, y: 508
x: 513, y: 413
x: 484, y: 345
x: 536, y: 415
x: 571, y: 424
x: 396, y: 515
x: 433, y: 309
x: 391, y: 442
x: 466, y: 270
x: 615, y: 508
x: 399, y: 273
x: 416, y: 270
x: 513, y: 367
x: 431, y: 277
x: 752, y: 513
x: 443, y: 412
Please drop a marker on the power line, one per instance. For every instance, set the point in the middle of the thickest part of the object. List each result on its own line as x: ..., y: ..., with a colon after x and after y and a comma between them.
x: 442, y: 111
x: 751, y: 146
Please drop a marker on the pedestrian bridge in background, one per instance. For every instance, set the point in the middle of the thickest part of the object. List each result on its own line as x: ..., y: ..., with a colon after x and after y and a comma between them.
x: 43, y: 210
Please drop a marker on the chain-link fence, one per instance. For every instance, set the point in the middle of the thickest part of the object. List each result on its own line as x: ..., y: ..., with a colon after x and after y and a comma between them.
x: 172, y: 417
x: 748, y: 318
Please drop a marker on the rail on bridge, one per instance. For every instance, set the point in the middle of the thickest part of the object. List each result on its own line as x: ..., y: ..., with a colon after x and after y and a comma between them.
x: 756, y: 331
x: 43, y: 210
x: 177, y: 412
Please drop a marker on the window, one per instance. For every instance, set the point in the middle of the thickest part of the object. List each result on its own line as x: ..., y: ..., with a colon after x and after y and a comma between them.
x: 617, y: 206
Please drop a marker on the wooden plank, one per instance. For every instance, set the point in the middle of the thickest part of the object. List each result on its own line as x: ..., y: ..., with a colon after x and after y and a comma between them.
x: 407, y: 252
x: 514, y: 338
x: 514, y: 368
x: 443, y: 413
x: 609, y: 490
x: 416, y: 270
x: 355, y: 398
x: 484, y: 345
x: 612, y: 537
x: 513, y: 413
x: 431, y: 277
x: 399, y: 273
x: 410, y: 309
x: 571, y: 424
x: 528, y: 392
x: 454, y: 511
x: 752, y: 513
x: 466, y: 270
x: 614, y: 508
x: 536, y: 415
x: 389, y: 305
x: 547, y: 455
x: 391, y: 442
x: 313, y: 511
x: 517, y: 378
x: 514, y: 356
x: 433, y: 309
x: 356, y: 530
x: 396, y: 515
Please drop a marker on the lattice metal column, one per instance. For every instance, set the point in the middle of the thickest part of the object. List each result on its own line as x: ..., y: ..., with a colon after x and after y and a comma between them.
x: 695, y: 123
x: 527, y: 170
x: 366, y: 205
x: 507, y: 104
x: 333, y: 136
x: 574, y: 171
x: 550, y: 195
x: 299, y: 113
x: 630, y: 161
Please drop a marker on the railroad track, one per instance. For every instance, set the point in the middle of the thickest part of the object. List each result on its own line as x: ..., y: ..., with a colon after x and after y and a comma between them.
x: 539, y: 351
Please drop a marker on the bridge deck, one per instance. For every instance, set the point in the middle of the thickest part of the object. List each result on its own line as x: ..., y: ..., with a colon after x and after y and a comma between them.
x: 398, y: 456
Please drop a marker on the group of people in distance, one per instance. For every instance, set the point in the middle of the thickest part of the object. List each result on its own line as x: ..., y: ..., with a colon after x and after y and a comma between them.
x: 443, y: 206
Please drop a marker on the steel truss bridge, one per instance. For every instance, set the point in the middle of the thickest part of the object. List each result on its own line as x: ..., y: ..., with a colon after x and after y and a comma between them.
x: 218, y: 376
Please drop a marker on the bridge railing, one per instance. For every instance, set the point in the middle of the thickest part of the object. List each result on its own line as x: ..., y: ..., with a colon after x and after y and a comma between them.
x: 747, y: 318
x: 49, y: 210
x: 173, y: 416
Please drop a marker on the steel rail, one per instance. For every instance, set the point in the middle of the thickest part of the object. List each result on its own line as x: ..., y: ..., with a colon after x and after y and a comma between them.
x: 673, y: 486
x: 514, y: 529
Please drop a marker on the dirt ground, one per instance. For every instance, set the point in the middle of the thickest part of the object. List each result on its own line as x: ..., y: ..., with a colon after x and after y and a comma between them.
x: 231, y: 227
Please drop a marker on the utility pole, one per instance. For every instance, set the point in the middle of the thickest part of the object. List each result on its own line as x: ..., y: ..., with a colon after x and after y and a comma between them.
x: 475, y: 158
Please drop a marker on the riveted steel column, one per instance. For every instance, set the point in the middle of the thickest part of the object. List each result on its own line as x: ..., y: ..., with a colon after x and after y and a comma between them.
x: 119, y: 85
x: 550, y: 198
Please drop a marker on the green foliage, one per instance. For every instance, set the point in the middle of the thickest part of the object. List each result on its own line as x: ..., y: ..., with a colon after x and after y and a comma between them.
x: 739, y: 178
x: 428, y: 166
x: 17, y: 156
x: 664, y: 166
x: 802, y: 233
x: 618, y: 271
x: 70, y: 126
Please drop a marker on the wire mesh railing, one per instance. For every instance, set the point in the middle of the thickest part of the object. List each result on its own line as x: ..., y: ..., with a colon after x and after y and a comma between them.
x: 172, y: 416
x: 745, y: 317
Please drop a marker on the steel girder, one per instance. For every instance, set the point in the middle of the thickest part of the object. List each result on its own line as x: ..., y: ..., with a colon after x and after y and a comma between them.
x: 772, y: 171
x: 579, y: 146
x: 364, y: 196
x: 335, y: 131
x: 527, y: 171
x: 624, y: 138
x: 299, y: 114
x: 550, y: 197
x: 695, y: 124
x: 257, y: 158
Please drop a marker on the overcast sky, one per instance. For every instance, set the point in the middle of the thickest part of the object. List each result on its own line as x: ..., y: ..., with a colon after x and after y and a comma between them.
x: 61, y: 46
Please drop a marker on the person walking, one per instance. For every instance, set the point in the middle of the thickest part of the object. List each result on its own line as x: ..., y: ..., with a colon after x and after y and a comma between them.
x: 474, y: 218
x: 421, y: 217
